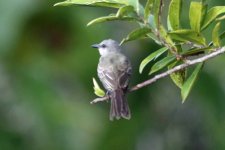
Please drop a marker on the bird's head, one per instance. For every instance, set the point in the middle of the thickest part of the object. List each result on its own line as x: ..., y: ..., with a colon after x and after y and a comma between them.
x: 107, y: 46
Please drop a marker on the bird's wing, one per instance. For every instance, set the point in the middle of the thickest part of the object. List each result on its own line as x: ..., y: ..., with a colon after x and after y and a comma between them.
x: 115, y: 76
x: 107, y: 77
x: 124, y: 74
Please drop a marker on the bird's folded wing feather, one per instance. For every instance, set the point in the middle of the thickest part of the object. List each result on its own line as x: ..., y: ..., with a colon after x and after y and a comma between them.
x: 115, y: 76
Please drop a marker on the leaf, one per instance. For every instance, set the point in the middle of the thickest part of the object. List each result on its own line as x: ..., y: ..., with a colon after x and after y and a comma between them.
x: 222, y: 35
x: 166, y: 37
x: 162, y: 63
x: 154, y: 37
x: 220, y: 18
x: 109, y: 18
x: 196, y: 51
x: 157, y: 12
x: 101, y: 3
x: 97, y: 90
x: 135, y: 3
x: 152, y: 56
x: 174, y: 15
x: 136, y: 34
x: 126, y: 11
x: 148, y: 8
x: 186, y: 35
x: 189, y: 83
x: 212, y: 14
x: 196, y: 13
x: 179, y: 76
x: 151, y: 21
x: 215, y: 35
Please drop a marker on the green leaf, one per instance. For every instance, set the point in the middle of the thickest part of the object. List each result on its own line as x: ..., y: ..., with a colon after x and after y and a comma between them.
x: 101, y: 3
x: 109, y: 18
x: 186, y: 35
x: 157, y: 12
x: 166, y: 37
x: 196, y: 51
x: 222, y: 35
x: 154, y: 37
x: 196, y: 13
x: 212, y: 14
x: 135, y: 4
x: 189, y: 83
x: 126, y: 11
x: 136, y: 34
x: 152, y: 56
x: 166, y: 40
x: 220, y: 18
x: 162, y: 63
x: 179, y: 76
x: 148, y: 8
x: 97, y: 90
x: 215, y: 35
x: 174, y: 15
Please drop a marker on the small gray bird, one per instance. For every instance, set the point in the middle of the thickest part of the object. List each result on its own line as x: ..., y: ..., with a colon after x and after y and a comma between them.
x: 114, y: 71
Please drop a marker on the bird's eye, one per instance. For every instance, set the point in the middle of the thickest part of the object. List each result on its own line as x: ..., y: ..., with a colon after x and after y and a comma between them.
x: 103, y: 45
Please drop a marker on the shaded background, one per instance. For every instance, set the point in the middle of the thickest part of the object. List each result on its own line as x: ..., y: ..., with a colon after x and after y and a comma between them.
x: 46, y: 70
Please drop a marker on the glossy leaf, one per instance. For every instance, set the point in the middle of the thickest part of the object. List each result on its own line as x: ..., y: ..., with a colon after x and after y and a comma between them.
x: 101, y: 3
x: 186, y: 35
x: 212, y: 14
x: 97, y: 90
x: 174, y: 15
x: 109, y: 18
x: 215, y: 35
x: 148, y: 8
x: 151, y: 57
x: 136, y: 34
x: 196, y: 13
x: 162, y: 63
x: 189, y: 83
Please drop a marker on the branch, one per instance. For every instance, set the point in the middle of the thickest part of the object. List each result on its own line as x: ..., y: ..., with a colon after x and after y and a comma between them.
x: 170, y: 71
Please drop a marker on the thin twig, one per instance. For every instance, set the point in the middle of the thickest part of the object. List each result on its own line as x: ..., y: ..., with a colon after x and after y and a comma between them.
x: 170, y: 71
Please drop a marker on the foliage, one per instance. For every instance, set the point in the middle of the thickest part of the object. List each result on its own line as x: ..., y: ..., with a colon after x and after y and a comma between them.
x: 98, y: 91
x: 177, y: 41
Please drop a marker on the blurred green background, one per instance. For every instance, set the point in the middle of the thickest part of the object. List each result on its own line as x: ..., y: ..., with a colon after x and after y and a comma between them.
x: 46, y: 70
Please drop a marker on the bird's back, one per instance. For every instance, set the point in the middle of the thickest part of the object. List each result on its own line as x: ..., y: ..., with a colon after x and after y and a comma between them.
x: 111, y: 68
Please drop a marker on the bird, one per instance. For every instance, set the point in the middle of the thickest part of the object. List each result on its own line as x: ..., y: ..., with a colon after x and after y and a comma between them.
x: 114, y: 71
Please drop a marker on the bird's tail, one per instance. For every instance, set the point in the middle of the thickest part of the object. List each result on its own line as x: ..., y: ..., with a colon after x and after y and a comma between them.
x: 119, y: 105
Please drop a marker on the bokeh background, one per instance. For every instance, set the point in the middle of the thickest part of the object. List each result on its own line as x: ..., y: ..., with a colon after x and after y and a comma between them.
x: 46, y: 70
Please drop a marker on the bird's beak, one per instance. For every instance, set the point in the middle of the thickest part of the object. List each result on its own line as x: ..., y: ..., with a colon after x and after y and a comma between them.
x: 95, y: 46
